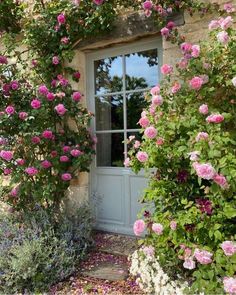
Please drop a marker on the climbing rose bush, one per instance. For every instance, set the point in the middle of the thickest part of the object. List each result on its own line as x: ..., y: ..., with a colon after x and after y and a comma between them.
x: 189, y: 140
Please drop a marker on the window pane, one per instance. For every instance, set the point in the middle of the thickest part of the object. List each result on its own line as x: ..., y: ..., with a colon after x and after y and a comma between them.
x: 136, y: 102
x: 108, y: 75
x: 110, y: 150
x: 141, y: 69
x: 109, y: 112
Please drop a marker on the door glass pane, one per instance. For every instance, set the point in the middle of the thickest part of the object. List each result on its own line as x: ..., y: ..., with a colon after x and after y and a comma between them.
x: 109, y: 112
x: 136, y: 102
x: 108, y: 75
x: 141, y: 69
x: 110, y: 150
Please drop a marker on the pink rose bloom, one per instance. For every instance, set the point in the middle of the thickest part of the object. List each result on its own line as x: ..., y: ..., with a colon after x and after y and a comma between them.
x: 165, y: 32
x: 3, y: 141
x: 46, y: 164
x: 66, y: 176
x: 35, y: 139
x: 35, y: 104
x: 147, y: 5
x: 14, y: 85
x: 7, y: 171
x: 77, y: 75
x: 65, y: 40
x: 98, y: 2
x: 155, y: 90
x: 226, y: 23
x: 31, y: 171
x: 205, y: 171
x: 221, y: 181
x: 195, y: 51
x: 144, y: 122
x: 150, y: 132
x: 214, y: 24
x: 189, y: 263
x: 223, y: 37
x: 142, y: 157
x: 76, y: 96
x: 75, y: 153
x: 43, y: 90
x: 55, y: 60
x: 6, y: 155
x: 196, y: 83
x: 166, y: 69
x: 50, y: 96
x: 157, y: 100
x: 127, y: 162
x: 228, y: 7
x: 64, y: 159
x: 157, y: 228
x: 160, y: 141
x: 61, y: 18
x: 170, y: 25
x: 229, y: 248
x: 3, y: 60
x: 183, y: 63
x: 203, y: 109
x: 186, y: 47
x: 10, y: 110
x: 137, y: 144
x: 34, y: 62
x: 230, y: 285
x: 66, y: 149
x: 53, y: 154
x: 47, y: 134
x: 176, y: 87
x: 194, y: 155
x: 148, y: 250
x: 202, y: 136
x: 215, y: 118
x: 23, y: 115
x: 14, y: 192
x: 20, y: 162
x: 203, y: 256
x: 60, y: 109
x: 139, y: 227
x: 173, y: 225
x: 234, y: 81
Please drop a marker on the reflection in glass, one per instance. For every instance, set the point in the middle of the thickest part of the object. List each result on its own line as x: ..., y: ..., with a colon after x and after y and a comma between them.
x: 141, y: 69
x: 109, y: 112
x: 110, y: 150
x: 135, y: 104
x: 108, y: 75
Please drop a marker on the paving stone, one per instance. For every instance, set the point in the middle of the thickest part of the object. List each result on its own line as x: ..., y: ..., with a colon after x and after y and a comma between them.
x: 108, y: 271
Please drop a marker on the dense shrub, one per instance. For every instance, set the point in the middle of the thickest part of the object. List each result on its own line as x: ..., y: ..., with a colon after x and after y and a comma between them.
x: 189, y: 137
x: 37, y: 251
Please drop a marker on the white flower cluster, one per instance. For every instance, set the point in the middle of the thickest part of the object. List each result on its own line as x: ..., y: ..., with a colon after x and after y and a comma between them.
x: 151, y: 277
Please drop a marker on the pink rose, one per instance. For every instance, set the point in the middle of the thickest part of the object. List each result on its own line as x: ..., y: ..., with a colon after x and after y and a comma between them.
x: 196, y: 83
x: 223, y: 37
x: 221, y: 181
x: 173, y: 225
x: 229, y: 248
x: 150, y: 132
x: 66, y: 149
x: 35, y: 139
x: 61, y: 18
x: 194, y: 155
x: 230, y: 285
x: 14, y: 85
x: 31, y: 171
x: 157, y: 228
x: 157, y: 100
x: 46, y: 164
x: 214, y: 24
x: 43, y: 90
x: 76, y: 75
x: 176, y: 87
x: 186, y: 47
x: 202, y: 136
x: 160, y: 141
x: 165, y: 32
x: 205, y: 171
x: 6, y: 155
x: 98, y: 2
x: 203, y: 256
x: 127, y: 162
x: 144, y: 122
x: 203, y: 109
x: 142, y: 157
x: 65, y: 40
x: 60, y: 109
x: 155, y: 90
x: 226, y: 23
x: 20, y: 162
x: 14, y: 192
x: 148, y: 250
x: 76, y: 96
x: 3, y: 60
x: 53, y: 154
x: 7, y: 171
x: 35, y: 104
x: 139, y: 227
x: 75, y: 153
x: 189, y: 263
x: 215, y: 118
x: 147, y: 5
x: 195, y: 51
x: 50, y: 96
x: 66, y: 176
x: 23, y: 115
x: 55, y: 60
x: 47, y: 134
x: 137, y: 144
x: 166, y: 69
x: 170, y: 25
x: 228, y: 7
x: 64, y: 159
x: 10, y: 110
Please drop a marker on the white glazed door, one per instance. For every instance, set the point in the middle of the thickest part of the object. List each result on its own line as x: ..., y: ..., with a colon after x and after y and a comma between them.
x: 118, y: 79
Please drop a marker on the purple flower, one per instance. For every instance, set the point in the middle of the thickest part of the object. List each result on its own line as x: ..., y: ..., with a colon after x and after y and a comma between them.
x: 43, y: 90
x: 61, y: 18
x: 10, y: 110
x: 14, y: 85
x: 3, y: 60
x: 205, y: 206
